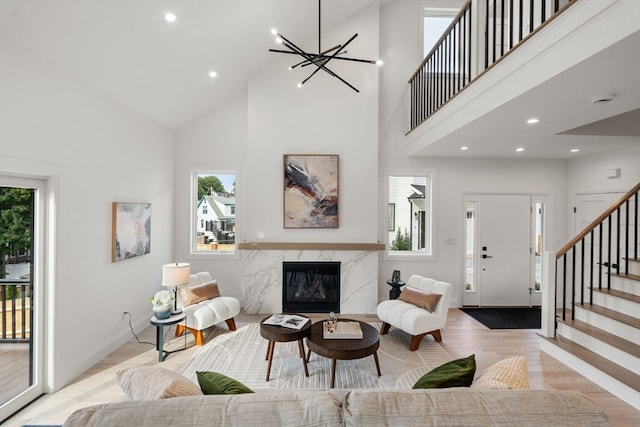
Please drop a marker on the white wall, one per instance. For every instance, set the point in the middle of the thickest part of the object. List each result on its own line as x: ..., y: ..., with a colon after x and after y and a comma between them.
x: 216, y: 140
x: 275, y: 118
x: 99, y: 152
x: 588, y: 174
x: 400, y: 46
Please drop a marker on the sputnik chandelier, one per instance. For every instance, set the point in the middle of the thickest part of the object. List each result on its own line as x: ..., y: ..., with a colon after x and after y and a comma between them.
x: 320, y: 59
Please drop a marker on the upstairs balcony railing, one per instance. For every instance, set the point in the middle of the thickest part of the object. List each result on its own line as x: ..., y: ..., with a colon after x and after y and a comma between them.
x: 15, y: 310
x: 482, y: 34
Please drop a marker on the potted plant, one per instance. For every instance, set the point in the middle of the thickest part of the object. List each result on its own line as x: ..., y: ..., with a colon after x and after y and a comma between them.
x: 161, y: 303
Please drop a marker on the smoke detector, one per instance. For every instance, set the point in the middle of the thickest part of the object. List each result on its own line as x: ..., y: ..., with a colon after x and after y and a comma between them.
x: 602, y: 100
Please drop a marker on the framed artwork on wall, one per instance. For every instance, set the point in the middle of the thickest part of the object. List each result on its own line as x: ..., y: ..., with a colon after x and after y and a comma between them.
x: 310, y: 190
x: 130, y: 230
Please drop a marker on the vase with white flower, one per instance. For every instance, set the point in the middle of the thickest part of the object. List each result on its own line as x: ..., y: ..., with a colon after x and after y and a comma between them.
x: 162, y: 303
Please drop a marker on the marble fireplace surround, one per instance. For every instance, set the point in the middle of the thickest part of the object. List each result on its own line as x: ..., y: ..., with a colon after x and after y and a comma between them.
x: 262, y: 279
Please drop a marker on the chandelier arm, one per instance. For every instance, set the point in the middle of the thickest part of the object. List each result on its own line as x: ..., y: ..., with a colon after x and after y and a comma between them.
x: 322, y: 55
x: 344, y: 58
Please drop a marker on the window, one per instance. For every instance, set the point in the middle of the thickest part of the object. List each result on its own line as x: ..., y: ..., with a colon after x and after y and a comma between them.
x: 434, y: 24
x: 410, y: 220
x: 470, y: 246
x: 214, y: 212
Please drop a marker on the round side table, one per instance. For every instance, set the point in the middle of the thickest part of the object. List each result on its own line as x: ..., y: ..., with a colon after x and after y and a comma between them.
x: 160, y: 324
x: 273, y: 334
x: 394, y: 293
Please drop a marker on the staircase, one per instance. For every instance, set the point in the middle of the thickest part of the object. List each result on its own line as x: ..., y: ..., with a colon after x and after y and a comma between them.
x: 597, y: 324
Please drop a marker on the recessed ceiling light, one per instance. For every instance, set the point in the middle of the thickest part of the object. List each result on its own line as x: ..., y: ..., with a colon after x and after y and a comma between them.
x: 170, y: 17
x: 519, y: 149
x: 533, y: 121
x: 464, y: 148
x: 575, y: 150
x: 213, y: 74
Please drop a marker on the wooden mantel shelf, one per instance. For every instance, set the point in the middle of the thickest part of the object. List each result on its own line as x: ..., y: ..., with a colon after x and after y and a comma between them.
x: 310, y: 246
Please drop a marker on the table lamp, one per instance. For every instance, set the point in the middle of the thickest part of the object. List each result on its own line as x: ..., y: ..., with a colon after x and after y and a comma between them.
x: 174, y: 275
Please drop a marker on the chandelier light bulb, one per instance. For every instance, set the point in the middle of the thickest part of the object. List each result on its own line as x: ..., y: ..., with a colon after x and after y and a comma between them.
x: 170, y: 17
x: 379, y: 62
x: 299, y: 85
x: 213, y: 74
x: 274, y: 31
x: 279, y: 40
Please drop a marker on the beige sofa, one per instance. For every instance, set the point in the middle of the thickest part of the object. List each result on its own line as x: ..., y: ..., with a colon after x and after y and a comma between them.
x: 450, y: 407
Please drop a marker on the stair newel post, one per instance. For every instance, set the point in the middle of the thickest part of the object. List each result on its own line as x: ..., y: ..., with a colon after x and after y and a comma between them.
x: 600, y: 257
x: 636, y: 228
x: 591, y: 270
x: 609, y: 252
x: 617, y: 243
x: 582, y: 271
x: 549, y: 286
x: 573, y: 283
x: 564, y: 287
x: 626, y: 238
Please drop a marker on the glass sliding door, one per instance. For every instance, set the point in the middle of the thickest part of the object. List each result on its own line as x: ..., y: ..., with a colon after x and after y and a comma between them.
x: 21, y: 219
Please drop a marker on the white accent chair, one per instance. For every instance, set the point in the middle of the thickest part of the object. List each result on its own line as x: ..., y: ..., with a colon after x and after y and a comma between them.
x: 414, y: 320
x: 207, y: 313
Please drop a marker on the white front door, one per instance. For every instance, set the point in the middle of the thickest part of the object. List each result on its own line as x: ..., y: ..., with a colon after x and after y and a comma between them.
x: 504, y: 250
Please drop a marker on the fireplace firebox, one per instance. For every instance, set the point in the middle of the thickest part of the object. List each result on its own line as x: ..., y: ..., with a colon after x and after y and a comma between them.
x: 310, y: 287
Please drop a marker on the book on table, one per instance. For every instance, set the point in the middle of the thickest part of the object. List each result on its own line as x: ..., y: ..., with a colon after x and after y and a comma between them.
x: 292, y: 321
x: 344, y: 330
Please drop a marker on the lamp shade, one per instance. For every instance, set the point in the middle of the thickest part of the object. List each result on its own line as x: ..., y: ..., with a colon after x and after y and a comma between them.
x: 176, y: 274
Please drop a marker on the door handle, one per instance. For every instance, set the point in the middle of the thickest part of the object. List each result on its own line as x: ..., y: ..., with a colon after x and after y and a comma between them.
x: 486, y: 256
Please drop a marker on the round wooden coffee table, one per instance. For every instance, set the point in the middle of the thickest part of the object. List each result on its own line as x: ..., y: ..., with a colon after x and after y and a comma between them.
x: 275, y: 334
x: 344, y: 349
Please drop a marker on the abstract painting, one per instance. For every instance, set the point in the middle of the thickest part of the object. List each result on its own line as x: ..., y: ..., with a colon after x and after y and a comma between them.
x: 310, y: 191
x: 131, y: 230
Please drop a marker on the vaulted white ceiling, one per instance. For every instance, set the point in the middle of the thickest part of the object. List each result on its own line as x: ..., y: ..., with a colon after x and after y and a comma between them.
x: 126, y: 49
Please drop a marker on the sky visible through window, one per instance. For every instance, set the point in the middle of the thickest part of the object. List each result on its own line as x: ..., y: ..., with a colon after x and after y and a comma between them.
x: 434, y: 27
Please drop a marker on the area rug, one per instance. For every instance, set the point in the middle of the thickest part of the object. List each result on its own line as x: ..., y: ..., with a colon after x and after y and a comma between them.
x: 241, y: 355
x: 506, y: 317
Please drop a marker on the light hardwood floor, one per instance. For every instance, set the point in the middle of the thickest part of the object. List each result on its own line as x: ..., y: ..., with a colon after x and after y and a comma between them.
x: 461, y: 337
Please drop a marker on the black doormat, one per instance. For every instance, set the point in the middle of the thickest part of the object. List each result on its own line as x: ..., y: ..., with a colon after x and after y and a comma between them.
x: 506, y: 317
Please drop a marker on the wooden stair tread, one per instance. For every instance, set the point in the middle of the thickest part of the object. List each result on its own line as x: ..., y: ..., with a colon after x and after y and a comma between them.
x: 623, y: 375
x: 612, y: 314
x: 634, y: 277
x: 620, y: 294
x: 604, y: 336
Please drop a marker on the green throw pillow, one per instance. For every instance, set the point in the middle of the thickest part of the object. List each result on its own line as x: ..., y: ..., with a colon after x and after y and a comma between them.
x: 457, y: 373
x: 217, y: 383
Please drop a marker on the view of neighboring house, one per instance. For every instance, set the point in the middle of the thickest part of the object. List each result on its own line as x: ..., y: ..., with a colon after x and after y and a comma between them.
x: 216, y: 219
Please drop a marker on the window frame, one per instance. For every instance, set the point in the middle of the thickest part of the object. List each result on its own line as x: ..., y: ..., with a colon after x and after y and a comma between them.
x: 413, y: 255
x: 194, y: 253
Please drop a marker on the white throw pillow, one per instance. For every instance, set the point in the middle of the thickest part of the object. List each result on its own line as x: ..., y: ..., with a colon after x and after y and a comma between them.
x: 148, y: 383
x: 507, y: 374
